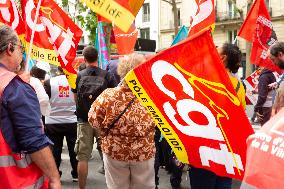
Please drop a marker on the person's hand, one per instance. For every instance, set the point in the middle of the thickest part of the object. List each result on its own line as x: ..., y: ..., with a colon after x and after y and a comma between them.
x: 54, y: 184
x: 259, y: 116
x: 273, y: 85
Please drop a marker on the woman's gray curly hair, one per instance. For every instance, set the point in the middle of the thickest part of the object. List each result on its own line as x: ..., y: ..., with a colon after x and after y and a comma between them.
x: 128, y: 63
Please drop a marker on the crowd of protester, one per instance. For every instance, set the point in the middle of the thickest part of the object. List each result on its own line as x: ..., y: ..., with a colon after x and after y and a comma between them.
x: 38, y: 112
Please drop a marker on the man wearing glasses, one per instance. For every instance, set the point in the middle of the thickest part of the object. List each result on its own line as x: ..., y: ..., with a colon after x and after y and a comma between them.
x: 25, y: 156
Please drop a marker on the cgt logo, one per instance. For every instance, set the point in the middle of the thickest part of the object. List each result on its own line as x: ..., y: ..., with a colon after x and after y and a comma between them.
x: 213, y: 129
x: 63, y: 91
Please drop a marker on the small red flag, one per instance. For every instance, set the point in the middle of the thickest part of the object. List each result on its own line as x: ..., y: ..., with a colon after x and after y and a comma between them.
x: 125, y: 41
x: 258, y: 29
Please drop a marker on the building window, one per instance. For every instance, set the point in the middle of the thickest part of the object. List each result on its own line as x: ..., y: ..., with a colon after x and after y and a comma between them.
x: 145, y: 33
x: 146, y: 12
x: 232, y: 35
x: 178, y: 14
x: 231, y: 10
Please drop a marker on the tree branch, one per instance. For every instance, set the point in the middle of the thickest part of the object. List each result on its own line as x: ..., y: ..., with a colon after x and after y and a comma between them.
x: 168, y: 2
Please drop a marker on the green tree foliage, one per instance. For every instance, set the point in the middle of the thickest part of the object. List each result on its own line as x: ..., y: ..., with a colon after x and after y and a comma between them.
x: 88, y: 22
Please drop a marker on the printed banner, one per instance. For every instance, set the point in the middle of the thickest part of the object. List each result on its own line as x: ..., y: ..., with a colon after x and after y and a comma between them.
x: 251, y: 83
x: 265, y: 155
x: 64, y: 34
x: 42, y: 49
x: 203, y: 16
x: 113, y: 11
x: 198, y: 112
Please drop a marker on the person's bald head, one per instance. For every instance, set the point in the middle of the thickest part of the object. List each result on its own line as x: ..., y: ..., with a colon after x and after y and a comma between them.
x: 276, y: 54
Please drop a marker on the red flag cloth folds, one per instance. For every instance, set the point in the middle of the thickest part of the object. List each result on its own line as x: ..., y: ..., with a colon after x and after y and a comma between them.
x: 10, y: 16
x: 40, y: 36
x: 197, y: 112
x: 63, y: 33
x: 258, y: 29
x: 125, y: 41
x: 265, y: 153
x: 204, y: 16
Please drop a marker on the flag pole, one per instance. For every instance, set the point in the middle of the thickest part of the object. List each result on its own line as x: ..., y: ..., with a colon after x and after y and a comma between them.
x: 235, y: 40
x: 33, y: 34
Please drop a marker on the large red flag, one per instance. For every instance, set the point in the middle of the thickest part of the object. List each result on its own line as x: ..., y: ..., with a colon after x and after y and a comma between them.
x: 203, y: 17
x: 198, y: 112
x: 10, y: 16
x: 64, y: 34
x: 257, y: 28
x: 125, y: 41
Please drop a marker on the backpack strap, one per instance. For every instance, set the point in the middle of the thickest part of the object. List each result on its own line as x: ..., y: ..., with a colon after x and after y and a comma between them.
x: 238, y: 86
x: 119, y: 116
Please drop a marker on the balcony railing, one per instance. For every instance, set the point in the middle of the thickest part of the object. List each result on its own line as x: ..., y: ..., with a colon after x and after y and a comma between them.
x: 223, y: 16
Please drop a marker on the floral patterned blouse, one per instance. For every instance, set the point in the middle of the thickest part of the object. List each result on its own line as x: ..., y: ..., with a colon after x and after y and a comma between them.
x: 132, y: 137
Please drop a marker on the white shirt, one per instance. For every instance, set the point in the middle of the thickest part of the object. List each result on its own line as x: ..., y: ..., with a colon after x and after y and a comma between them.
x: 41, y: 95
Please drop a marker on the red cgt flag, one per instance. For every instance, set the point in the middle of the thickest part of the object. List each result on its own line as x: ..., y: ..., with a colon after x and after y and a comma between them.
x: 257, y: 28
x: 204, y: 16
x: 198, y: 112
x: 125, y: 41
x: 10, y: 16
x: 64, y: 34
x: 42, y: 49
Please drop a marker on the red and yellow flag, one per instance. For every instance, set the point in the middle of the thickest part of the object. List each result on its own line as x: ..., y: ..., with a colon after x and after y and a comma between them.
x: 117, y: 11
x: 64, y: 34
x: 135, y: 6
x: 192, y: 101
x: 42, y: 49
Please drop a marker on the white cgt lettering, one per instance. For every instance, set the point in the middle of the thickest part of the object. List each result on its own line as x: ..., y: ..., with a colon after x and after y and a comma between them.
x: 184, y: 107
x: 162, y: 68
x: 222, y: 157
x: 210, y: 131
x: 28, y: 10
x: 56, y: 32
x: 7, y: 15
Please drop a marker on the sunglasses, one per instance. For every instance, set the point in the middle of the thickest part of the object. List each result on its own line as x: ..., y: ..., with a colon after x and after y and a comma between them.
x: 21, y: 46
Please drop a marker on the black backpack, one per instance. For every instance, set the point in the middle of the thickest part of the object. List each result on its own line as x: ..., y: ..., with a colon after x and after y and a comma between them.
x: 89, y: 88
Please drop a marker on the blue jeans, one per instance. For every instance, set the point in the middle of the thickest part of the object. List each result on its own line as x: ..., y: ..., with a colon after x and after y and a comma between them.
x: 204, y: 179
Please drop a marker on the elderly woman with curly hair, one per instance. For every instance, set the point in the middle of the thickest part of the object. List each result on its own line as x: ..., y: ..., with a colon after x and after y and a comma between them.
x: 127, y: 132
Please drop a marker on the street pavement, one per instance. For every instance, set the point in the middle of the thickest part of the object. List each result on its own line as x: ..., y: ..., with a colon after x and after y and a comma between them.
x: 97, y: 180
